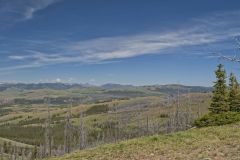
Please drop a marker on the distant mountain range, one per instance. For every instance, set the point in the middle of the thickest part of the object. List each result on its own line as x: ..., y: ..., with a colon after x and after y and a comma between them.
x: 170, y: 89
x: 35, y: 86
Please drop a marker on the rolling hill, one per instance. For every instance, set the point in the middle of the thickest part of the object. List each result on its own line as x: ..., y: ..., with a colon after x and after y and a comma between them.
x: 14, y: 143
x: 211, y: 143
x: 140, y: 110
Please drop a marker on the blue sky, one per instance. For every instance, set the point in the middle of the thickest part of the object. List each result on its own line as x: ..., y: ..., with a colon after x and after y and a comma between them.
x: 111, y: 41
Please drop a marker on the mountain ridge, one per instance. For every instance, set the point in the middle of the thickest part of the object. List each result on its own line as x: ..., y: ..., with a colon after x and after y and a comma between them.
x: 107, y: 86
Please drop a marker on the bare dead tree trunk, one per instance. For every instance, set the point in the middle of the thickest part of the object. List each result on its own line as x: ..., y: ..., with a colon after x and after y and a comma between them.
x: 2, y: 152
x: 103, y: 136
x: 51, y: 145
x: 198, y: 110
x: 176, y: 118
x: 12, y: 157
x: 40, y: 152
x: 116, y: 128
x: 60, y: 150
x: 98, y: 138
x: 29, y: 156
x: 82, y: 133
x: 139, y: 124
x: 168, y: 124
x: 109, y: 127
x: 48, y: 132
x: 15, y: 152
x: 187, y: 120
x: 68, y: 131
x: 189, y: 117
x: 147, y: 126
x: 23, y: 154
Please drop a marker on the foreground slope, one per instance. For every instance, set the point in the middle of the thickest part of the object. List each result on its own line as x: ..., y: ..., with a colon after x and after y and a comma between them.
x: 218, y: 143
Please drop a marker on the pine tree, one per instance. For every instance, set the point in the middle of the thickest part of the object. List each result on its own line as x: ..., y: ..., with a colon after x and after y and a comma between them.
x: 234, y: 94
x: 219, y: 102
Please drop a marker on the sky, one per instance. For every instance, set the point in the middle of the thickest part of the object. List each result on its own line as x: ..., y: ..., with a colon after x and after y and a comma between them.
x: 139, y: 42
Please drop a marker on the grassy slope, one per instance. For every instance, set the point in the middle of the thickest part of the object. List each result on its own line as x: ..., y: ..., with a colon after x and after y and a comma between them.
x: 40, y: 111
x: 14, y: 143
x: 219, y: 143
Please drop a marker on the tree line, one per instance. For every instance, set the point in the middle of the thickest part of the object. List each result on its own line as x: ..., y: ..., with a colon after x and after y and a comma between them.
x: 225, y: 97
x: 225, y: 101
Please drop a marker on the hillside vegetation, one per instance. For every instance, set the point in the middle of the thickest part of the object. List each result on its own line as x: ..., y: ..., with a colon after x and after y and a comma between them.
x: 61, y: 119
x: 14, y: 143
x: 215, y: 143
x: 202, y: 143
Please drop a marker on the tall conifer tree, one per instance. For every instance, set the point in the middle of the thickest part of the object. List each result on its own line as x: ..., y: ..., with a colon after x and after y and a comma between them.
x: 219, y: 102
x: 234, y: 94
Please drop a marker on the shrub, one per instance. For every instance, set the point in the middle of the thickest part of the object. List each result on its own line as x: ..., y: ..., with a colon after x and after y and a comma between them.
x: 97, y: 109
x: 163, y: 115
x: 212, y: 119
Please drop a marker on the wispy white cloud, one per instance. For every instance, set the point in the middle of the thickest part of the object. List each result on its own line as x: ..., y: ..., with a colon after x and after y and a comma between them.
x: 15, y: 57
x: 215, y: 28
x: 12, y: 11
x: 206, y: 31
x: 24, y: 66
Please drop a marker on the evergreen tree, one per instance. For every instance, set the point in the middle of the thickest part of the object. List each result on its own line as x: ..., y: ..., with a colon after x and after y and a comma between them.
x: 234, y: 94
x: 219, y: 102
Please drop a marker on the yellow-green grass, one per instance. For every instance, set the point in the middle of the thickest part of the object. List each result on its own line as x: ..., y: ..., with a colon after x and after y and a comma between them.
x: 40, y: 111
x: 14, y: 143
x: 40, y: 93
x: 5, y: 156
x: 215, y: 143
x: 155, y: 103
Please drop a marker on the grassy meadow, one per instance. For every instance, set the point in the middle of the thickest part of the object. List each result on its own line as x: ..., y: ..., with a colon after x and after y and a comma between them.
x: 215, y: 143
